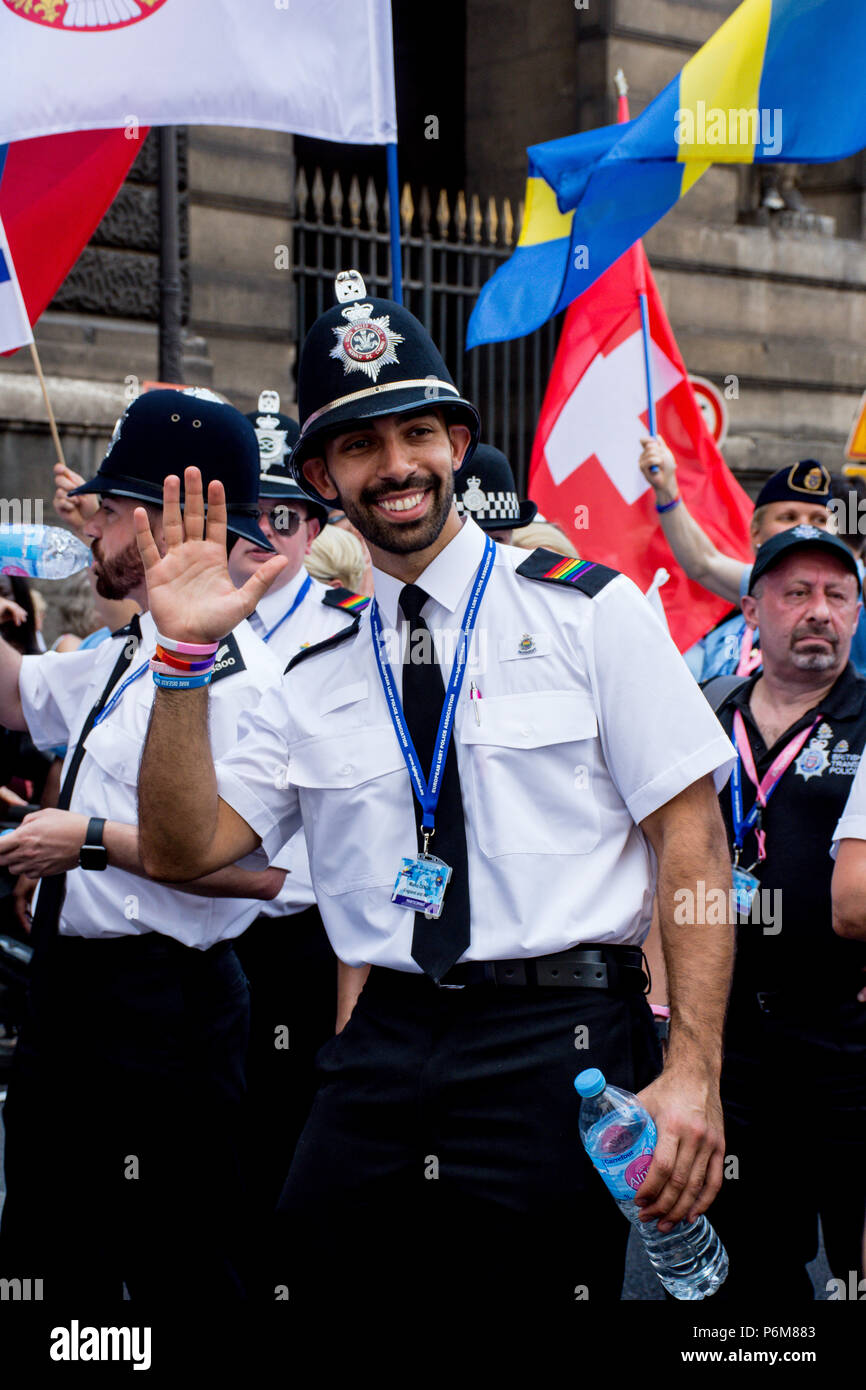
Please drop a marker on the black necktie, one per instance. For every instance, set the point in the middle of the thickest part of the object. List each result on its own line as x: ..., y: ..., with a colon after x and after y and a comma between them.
x: 52, y: 889
x: 436, y: 943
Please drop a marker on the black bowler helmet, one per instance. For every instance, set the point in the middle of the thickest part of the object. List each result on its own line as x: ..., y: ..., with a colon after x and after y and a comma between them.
x: 163, y: 432
x: 486, y: 491
x: 367, y: 357
x: 277, y: 435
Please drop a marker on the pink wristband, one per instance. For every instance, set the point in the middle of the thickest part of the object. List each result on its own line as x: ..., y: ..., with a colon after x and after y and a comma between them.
x: 187, y: 648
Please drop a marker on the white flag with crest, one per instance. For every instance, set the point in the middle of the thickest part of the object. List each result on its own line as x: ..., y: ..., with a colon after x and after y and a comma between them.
x: 322, y: 68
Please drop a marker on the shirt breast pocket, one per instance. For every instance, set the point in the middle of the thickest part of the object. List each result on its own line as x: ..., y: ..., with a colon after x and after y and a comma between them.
x: 531, y: 764
x: 352, y: 790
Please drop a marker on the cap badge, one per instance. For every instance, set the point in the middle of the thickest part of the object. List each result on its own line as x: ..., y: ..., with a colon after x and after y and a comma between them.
x: 272, y: 441
x: 349, y: 285
x: 813, y: 479
x: 269, y: 402
x: 808, y: 533
x: 367, y: 345
x: 473, y: 499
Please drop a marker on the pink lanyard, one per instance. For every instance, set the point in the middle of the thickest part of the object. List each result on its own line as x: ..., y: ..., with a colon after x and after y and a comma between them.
x: 778, y: 767
x: 749, y: 660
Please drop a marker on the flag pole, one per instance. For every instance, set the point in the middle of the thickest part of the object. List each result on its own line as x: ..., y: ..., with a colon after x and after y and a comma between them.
x: 640, y: 274
x: 394, y: 224
x: 52, y: 423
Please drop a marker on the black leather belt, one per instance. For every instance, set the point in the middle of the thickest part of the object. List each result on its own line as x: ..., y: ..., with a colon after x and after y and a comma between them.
x: 615, y: 968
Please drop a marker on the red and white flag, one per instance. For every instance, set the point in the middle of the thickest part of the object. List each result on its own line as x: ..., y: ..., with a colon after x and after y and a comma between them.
x: 584, y: 471
x: 54, y: 191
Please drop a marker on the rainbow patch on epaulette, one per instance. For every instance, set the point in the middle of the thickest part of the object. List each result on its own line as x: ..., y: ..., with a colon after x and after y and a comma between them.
x: 345, y: 599
x: 551, y: 568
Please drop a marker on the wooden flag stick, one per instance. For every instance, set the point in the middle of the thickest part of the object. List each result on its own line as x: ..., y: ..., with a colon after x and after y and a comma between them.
x: 52, y: 423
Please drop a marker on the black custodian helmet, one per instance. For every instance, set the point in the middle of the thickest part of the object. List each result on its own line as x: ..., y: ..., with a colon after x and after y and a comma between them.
x: 487, y: 492
x: 277, y: 435
x: 367, y: 357
x: 163, y: 432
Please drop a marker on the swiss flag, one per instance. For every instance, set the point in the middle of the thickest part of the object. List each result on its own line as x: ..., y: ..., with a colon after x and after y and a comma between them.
x: 54, y: 191
x: 584, y: 471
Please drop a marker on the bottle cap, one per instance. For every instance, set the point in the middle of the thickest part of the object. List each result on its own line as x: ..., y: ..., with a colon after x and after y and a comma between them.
x: 590, y: 1082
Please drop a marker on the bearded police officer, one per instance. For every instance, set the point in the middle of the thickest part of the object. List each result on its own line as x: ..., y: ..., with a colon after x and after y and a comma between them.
x: 491, y: 852
x: 123, y: 1109
x: 285, y: 954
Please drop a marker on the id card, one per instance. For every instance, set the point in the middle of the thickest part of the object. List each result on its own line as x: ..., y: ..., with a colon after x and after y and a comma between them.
x: 745, y: 888
x: 421, y: 884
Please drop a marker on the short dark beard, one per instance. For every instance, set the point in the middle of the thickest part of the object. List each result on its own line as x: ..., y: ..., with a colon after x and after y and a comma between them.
x: 118, y: 577
x: 403, y: 539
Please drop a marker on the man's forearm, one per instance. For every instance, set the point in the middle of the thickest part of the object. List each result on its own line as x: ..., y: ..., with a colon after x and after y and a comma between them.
x: 177, y: 790
x: 701, y: 560
x: 122, y: 847
x: 11, y: 712
x: 699, y: 956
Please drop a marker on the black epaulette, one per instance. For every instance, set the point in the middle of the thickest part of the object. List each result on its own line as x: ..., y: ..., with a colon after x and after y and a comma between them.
x: 228, y: 659
x: 345, y: 599
x: 552, y: 568
x: 350, y: 631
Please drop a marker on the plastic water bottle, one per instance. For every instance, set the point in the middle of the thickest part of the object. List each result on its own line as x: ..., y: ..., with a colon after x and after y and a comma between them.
x: 41, y: 552
x: 620, y: 1137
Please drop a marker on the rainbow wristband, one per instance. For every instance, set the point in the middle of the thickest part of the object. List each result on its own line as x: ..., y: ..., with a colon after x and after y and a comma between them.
x: 162, y: 669
x: 182, y: 664
x: 181, y: 682
x: 193, y: 649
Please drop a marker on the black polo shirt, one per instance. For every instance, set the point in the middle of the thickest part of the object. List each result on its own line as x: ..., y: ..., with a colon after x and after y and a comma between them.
x: 806, y: 955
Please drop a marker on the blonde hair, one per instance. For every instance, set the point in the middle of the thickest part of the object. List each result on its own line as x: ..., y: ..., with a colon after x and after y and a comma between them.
x: 544, y: 533
x: 337, y: 554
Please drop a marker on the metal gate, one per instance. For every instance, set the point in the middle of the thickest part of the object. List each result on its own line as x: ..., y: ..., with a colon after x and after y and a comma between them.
x: 448, y: 254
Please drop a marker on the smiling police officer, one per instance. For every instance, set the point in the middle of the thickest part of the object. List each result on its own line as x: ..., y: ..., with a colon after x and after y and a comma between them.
x: 125, y: 1101
x: 492, y: 852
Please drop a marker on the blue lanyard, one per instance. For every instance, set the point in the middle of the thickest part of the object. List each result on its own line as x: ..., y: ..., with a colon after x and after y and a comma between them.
x: 299, y: 598
x: 104, y: 713
x: 428, y: 792
x: 742, y: 825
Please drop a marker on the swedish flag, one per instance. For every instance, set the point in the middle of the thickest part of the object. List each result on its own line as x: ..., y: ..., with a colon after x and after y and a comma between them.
x: 768, y: 87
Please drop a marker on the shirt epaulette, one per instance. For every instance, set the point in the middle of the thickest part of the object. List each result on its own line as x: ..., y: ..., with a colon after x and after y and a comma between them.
x: 552, y: 568
x: 317, y: 647
x: 228, y: 659
x: 345, y: 599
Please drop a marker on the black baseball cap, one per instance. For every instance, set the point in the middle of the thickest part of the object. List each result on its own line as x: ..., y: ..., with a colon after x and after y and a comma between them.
x: 799, y: 538
x: 163, y: 432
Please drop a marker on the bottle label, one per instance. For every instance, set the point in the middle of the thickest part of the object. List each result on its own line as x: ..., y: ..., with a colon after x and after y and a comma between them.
x: 622, y: 1162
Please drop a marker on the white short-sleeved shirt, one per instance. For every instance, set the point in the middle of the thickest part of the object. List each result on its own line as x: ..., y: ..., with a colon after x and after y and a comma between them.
x: 852, y: 822
x: 590, y: 721
x: 313, y: 621
x: 58, y: 690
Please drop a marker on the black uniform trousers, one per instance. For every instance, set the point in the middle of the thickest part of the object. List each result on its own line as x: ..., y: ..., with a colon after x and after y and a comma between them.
x: 794, y: 1099
x: 292, y: 974
x: 442, y: 1164
x: 122, y: 1124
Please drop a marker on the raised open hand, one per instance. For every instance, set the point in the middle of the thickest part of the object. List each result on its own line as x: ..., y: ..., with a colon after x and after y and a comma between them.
x: 189, y: 589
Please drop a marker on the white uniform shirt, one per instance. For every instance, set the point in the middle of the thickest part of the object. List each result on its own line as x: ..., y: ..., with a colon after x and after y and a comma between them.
x: 590, y: 721
x: 852, y: 823
x: 58, y: 690
x: 312, y: 621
